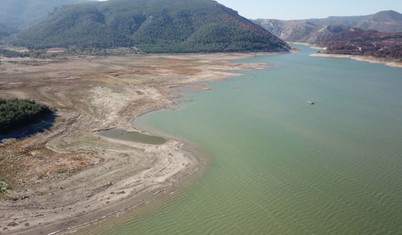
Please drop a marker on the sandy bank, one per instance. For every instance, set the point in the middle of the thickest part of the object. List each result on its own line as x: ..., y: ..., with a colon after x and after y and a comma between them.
x: 69, y: 176
x: 368, y: 59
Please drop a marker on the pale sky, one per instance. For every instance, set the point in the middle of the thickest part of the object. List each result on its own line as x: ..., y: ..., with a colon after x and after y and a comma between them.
x: 305, y: 9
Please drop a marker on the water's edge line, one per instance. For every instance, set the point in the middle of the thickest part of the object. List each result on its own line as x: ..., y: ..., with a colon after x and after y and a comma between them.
x: 200, y: 158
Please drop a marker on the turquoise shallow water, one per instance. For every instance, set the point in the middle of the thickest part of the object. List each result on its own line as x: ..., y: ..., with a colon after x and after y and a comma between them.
x: 279, y: 165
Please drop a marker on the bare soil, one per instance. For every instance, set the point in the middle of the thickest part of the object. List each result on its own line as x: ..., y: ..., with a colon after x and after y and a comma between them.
x: 69, y: 176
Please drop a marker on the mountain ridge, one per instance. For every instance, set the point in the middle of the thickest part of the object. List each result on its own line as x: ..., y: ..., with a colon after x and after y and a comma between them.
x: 151, y: 25
x: 315, y: 30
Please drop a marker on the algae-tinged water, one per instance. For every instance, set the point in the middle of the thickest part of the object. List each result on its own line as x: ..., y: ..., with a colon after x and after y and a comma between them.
x: 281, y: 166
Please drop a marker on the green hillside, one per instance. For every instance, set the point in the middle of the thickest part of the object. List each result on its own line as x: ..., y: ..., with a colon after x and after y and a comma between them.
x: 152, y: 26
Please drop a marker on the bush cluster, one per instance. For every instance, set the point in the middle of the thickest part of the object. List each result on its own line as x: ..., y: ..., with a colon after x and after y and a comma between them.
x: 17, y: 113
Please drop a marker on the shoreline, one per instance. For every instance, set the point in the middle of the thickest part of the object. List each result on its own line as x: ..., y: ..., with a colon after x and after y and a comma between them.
x: 143, y: 197
x: 371, y: 60
x: 70, y: 202
x: 154, y: 200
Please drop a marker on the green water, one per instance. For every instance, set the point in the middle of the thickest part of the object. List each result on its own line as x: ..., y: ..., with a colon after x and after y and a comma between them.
x: 279, y: 165
x: 133, y: 136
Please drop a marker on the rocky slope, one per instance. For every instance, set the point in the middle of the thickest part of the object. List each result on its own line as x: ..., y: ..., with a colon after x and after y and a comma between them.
x: 316, y: 30
x: 300, y: 31
x: 383, y: 21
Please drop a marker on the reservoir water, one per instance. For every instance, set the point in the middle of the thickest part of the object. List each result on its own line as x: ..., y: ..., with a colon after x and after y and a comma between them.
x: 278, y: 165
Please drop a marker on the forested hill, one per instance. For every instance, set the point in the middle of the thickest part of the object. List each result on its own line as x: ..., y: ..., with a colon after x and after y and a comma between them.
x: 152, y: 26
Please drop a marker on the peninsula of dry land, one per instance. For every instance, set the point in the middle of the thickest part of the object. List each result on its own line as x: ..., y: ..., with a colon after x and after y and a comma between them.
x: 68, y: 175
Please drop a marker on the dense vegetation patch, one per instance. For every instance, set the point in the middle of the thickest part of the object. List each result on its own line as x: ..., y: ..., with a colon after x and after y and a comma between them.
x: 17, y: 113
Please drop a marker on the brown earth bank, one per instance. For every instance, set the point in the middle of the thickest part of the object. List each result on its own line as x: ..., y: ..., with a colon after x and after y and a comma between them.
x: 68, y: 175
x: 396, y: 63
x: 366, y: 43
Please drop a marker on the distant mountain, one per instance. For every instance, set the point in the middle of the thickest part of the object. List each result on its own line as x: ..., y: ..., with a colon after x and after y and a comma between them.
x: 6, y: 31
x: 315, y: 30
x: 357, y: 41
x: 21, y: 14
x: 383, y: 21
x: 300, y: 31
x: 152, y: 26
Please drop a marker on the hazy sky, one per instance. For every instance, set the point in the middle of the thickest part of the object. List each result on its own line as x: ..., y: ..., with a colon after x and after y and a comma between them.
x: 304, y: 9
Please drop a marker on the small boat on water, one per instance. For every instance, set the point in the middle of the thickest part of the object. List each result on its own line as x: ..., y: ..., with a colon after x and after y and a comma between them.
x: 310, y: 102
